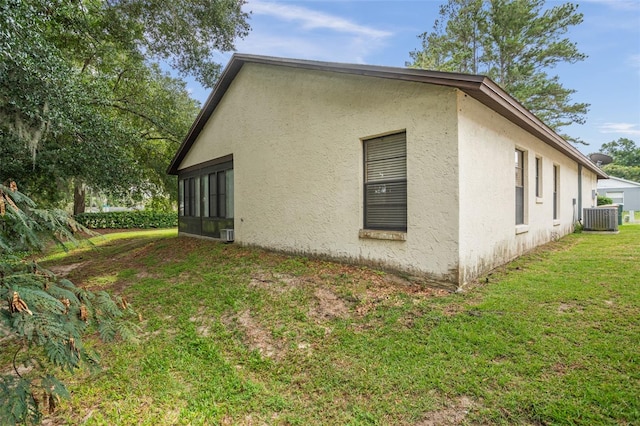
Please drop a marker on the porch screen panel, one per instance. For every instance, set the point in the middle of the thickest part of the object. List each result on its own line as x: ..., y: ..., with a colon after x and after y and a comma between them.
x: 385, y: 197
x: 181, y: 197
x: 229, y: 179
x: 213, y: 195
x: 196, y: 198
x: 205, y: 197
x: 222, y: 191
x: 190, y: 197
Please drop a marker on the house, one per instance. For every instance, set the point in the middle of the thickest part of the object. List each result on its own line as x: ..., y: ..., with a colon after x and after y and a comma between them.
x: 439, y: 175
x: 621, y: 191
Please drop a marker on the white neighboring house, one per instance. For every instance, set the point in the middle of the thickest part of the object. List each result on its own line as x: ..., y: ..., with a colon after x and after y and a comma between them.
x: 439, y: 175
x: 621, y: 191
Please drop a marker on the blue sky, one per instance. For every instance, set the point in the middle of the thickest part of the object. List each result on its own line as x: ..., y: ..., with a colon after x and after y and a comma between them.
x: 384, y: 32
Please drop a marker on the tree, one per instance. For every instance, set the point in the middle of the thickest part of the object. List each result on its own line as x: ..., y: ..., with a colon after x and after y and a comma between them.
x: 623, y: 151
x: 626, y: 159
x: 43, y: 319
x: 515, y: 43
x: 82, y: 102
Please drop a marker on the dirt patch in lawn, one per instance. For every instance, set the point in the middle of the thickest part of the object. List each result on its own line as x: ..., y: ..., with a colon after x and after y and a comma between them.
x: 255, y: 336
x: 328, y: 306
x: 63, y: 271
x: 567, y: 308
x: 453, y: 414
x: 387, y: 290
x: 274, y: 282
x: 203, y: 323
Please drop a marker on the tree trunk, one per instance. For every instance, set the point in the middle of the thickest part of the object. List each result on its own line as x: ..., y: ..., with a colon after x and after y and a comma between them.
x: 78, y: 198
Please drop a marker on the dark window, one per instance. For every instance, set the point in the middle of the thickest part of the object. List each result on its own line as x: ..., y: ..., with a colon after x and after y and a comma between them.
x: 538, y: 177
x: 556, y: 190
x: 519, y: 187
x: 385, y: 182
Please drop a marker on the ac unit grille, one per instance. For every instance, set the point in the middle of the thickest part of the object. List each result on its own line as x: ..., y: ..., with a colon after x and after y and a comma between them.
x: 227, y: 235
x: 601, y: 219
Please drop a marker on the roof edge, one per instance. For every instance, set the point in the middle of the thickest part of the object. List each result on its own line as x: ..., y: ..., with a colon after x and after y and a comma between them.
x: 479, y: 87
x: 624, y: 180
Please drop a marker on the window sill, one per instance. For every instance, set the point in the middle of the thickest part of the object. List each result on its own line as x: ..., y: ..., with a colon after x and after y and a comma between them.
x: 539, y: 200
x: 374, y: 234
x: 521, y: 229
x: 556, y: 222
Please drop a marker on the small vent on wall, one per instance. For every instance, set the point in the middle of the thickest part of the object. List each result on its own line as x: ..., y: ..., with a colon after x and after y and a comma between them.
x: 227, y: 235
x: 601, y: 219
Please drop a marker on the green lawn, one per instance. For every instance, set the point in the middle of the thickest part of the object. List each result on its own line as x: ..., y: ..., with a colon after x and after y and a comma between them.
x: 231, y: 335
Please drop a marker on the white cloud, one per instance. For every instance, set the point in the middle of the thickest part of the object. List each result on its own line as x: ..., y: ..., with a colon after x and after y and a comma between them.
x: 310, y: 19
x: 288, y: 30
x: 634, y: 61
x: 621, y: 128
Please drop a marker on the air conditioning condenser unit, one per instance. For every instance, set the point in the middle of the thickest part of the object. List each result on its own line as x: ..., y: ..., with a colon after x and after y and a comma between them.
x: 227, y: 235
x: 601, y: 219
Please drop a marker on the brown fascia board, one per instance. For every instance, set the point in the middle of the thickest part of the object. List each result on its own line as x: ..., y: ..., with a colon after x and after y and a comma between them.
x: 479, y: 87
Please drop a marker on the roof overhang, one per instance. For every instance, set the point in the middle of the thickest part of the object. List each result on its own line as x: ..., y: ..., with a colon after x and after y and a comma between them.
x: 478, y: 87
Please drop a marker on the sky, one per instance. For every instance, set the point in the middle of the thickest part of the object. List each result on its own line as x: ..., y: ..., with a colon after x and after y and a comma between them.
x: 384, y: 32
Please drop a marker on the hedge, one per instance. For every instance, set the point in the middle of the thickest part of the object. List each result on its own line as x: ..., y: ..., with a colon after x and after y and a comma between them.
x: 128, y: 220
x: 603, y: 201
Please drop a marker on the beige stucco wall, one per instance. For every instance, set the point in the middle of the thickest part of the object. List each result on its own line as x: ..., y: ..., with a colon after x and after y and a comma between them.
x: 295, y: 136
x: 488, y: 234
x: 296, y: 139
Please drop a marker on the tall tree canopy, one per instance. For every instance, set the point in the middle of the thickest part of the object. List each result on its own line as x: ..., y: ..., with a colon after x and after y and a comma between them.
x: 83, y: 100
x: 626, y: 159
x: 515, y: 43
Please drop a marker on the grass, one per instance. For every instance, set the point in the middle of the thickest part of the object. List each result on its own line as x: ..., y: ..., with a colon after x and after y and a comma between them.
x: 234, y: 335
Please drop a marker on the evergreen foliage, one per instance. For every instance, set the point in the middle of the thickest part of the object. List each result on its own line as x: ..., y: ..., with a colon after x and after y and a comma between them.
x: 514, y: 42
x: 44, y: 318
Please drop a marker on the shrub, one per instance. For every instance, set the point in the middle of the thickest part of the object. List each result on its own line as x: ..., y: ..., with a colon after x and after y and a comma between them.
x: 604, y: 200
x: 128, y: 220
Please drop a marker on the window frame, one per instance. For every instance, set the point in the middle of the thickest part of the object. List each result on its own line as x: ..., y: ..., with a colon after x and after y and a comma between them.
x: 395, y: 183
x: 520, y: 190
x: 556, y: 192
x: 539, y: 188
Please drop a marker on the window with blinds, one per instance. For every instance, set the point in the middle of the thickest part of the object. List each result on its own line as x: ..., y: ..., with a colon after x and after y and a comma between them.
x: 556, y: 191
x: 385, y: 182
x: 538, y: 177
x: 520, y: 171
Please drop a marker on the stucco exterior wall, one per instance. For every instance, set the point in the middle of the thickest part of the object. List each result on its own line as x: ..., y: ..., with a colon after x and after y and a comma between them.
x: 589, y: 190
x: 489, y: 236
x: 296, y: 139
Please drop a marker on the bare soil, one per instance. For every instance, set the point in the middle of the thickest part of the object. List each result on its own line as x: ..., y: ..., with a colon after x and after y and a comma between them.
x: 452, y: 415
